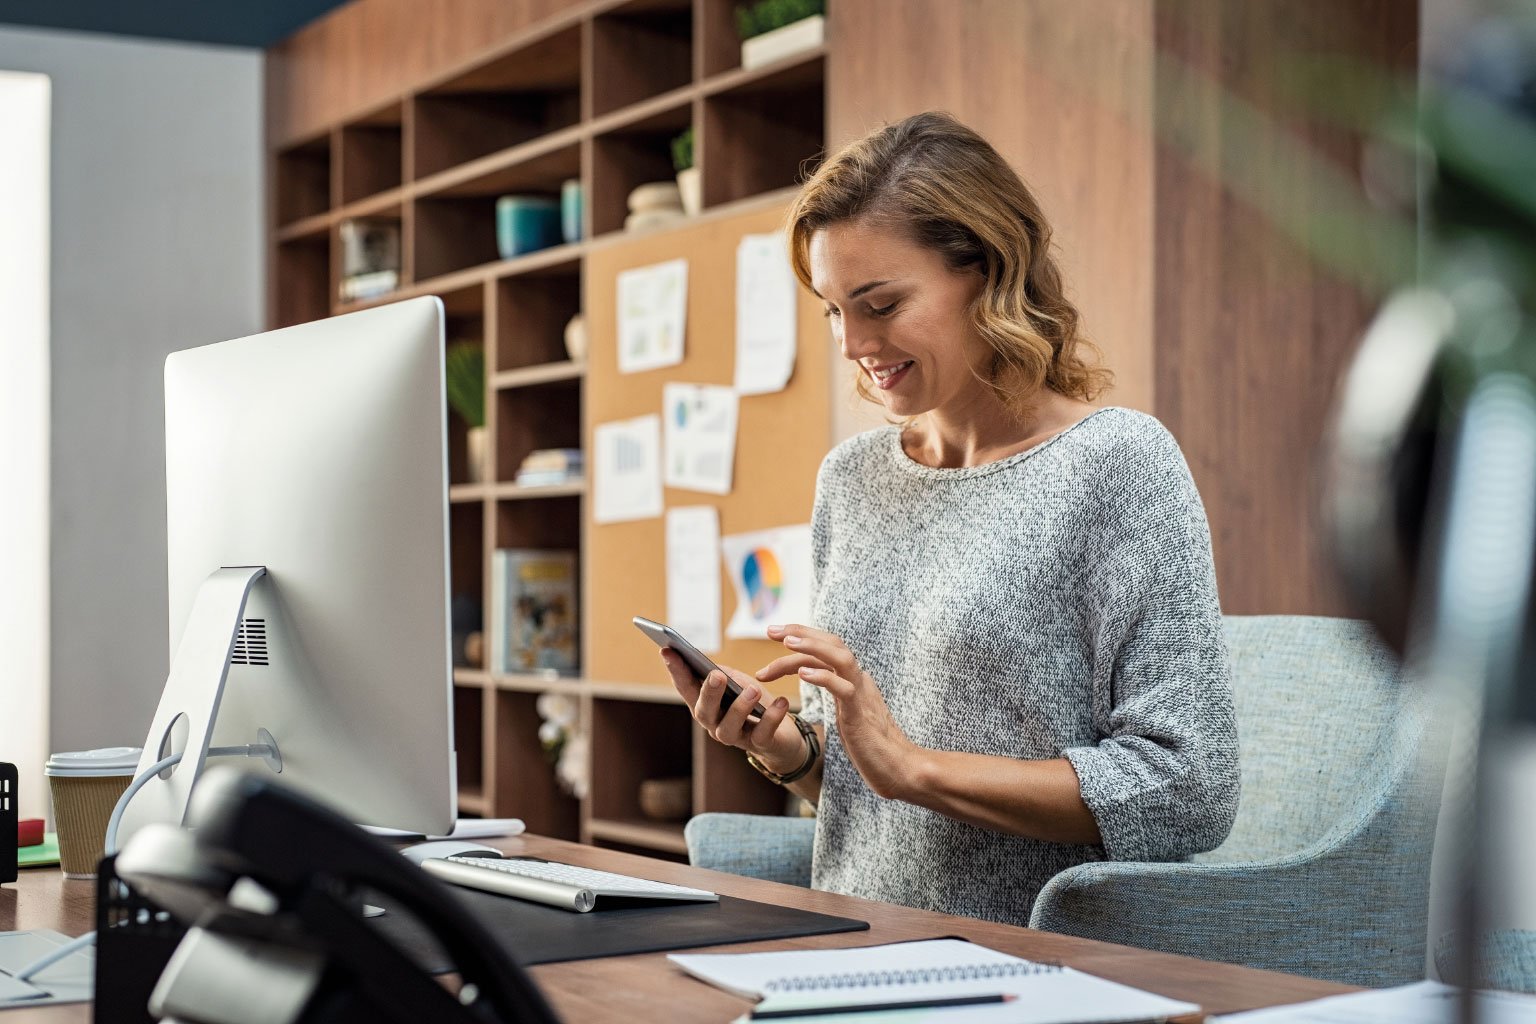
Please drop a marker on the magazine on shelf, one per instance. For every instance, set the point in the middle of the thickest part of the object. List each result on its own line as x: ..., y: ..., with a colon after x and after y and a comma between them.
x: 533, y: 611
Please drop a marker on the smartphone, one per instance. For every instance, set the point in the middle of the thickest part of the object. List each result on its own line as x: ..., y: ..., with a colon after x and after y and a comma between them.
x: 666, y: 636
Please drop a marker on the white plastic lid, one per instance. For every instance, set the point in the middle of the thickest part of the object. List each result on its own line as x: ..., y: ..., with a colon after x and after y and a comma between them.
x: 98, y: 762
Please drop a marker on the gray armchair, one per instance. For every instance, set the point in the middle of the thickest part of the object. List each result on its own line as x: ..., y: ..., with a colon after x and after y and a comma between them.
x: 1326, y: 872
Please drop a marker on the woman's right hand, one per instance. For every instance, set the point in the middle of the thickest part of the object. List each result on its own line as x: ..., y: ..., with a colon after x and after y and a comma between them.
x: 775, y: 741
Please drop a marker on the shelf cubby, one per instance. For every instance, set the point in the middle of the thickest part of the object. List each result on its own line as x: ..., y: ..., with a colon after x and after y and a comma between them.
x: 466, y: 542
x: 649, y: 741
x: 545, y: 416
x: 464, y: 321
x: 455, y: 221
x: 469, y: 744
x: 631, y: 155
x: 719, y: 44
x: 464, y: 310
x: 370, y: 154
x: 532, y: 311
x: 526, y: 786
x: 390, y: 212
x: 521, y: 95
x: 303, y: 186
x: 537, y: 374
x: 640, y: 49
x: 648, y: 838
x: 303, y: 287
x: 763, y: 129
x: 551, y: 523
x: 726, y: 782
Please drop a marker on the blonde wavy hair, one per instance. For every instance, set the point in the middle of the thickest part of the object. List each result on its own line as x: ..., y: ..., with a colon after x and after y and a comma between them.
x: 947, y: 189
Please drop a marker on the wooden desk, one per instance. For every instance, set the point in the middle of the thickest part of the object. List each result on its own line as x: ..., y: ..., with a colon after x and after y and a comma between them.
x: 629, y: 988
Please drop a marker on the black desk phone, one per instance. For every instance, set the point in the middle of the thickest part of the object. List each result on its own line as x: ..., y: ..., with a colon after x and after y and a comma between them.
x: 270, y: 886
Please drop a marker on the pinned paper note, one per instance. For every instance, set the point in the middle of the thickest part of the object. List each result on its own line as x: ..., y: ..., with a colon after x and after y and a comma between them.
x: 653, y: 314
x: 693, y: 574
x: 700, y: 435
x: 626, y: 474
x: 771, y: 571
x: 765, y: 314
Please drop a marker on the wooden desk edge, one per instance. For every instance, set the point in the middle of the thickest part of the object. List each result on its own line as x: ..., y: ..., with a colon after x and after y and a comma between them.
x: 611, y: 988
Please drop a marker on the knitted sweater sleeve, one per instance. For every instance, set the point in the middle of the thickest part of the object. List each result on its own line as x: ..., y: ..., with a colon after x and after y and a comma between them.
x: 1162, y: 779
x: 812, y: 709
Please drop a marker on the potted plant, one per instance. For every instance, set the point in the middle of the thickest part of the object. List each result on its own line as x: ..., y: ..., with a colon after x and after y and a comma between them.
x: 771, y: 30
x: 688, y: 185
x: 464, y: 375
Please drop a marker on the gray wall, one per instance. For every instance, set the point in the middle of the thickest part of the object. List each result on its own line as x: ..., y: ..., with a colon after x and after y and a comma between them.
x: 156, y: 217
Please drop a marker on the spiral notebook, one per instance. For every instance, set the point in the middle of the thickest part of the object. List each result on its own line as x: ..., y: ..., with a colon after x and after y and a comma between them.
x: 931, y: 969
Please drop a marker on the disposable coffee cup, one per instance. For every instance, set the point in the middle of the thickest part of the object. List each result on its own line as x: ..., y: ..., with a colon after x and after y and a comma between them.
x: 86, y: 785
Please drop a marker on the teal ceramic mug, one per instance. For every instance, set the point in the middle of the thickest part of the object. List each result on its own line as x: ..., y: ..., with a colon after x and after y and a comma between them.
x: 526, y: 223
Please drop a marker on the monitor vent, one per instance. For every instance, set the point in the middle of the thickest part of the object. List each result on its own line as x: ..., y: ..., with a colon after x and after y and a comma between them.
x: 250, y: 643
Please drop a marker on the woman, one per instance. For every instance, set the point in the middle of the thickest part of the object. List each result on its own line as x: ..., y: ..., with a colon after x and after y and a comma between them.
x: 1016, y: 662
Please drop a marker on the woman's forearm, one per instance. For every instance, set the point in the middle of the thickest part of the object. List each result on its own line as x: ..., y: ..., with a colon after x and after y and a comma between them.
x: 1039, y: 799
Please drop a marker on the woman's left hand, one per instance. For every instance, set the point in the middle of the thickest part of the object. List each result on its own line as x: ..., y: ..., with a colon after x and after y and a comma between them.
x: 882, y: 753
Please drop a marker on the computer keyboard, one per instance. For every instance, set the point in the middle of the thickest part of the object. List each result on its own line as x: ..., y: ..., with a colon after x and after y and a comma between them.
x: 559, y: 885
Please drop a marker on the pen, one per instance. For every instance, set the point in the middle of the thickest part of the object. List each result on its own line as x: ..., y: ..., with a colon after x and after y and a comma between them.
x: 907, y: 1004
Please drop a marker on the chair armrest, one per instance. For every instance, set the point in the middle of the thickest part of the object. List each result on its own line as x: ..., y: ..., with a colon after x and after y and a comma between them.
x: 1330, y: 914
x: 756, y: 845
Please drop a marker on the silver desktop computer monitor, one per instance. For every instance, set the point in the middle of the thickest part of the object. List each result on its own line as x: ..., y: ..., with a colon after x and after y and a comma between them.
x: 306, y: 515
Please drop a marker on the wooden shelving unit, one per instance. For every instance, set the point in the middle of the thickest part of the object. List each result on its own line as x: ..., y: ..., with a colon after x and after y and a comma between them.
x: 596, y: 94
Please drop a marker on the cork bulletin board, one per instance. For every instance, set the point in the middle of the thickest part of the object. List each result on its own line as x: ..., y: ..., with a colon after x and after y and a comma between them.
x: 780, y: 441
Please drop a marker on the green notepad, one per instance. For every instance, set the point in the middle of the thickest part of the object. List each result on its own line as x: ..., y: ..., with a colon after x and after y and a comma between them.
x: 39, y: 856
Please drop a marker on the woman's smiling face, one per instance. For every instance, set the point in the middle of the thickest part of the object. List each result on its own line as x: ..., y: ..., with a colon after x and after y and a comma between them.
x: 902, y: 314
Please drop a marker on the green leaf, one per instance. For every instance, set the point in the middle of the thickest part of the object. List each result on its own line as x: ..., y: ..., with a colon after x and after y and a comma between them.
x: 766, y: 15
x: 464, y: 371
x: 682, y: 150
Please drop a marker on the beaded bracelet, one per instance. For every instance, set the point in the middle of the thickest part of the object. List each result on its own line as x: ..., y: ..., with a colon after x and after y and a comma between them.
x: 812, y: 752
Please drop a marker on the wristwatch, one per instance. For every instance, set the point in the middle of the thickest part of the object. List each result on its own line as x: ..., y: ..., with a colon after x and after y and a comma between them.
x: 812, y: 752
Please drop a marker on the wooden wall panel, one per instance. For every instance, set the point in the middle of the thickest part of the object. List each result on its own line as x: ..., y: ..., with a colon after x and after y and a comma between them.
x: 1063, y: 91
x: 369, y: 51
x: 1252, y: 333
x: 781, y: 439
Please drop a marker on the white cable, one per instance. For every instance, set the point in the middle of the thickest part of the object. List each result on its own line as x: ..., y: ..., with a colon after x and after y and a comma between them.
x: 110, y: 846
x: 116, y: 821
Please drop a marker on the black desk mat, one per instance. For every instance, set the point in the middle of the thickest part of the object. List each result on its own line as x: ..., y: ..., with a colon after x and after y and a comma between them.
x: 532, y: 933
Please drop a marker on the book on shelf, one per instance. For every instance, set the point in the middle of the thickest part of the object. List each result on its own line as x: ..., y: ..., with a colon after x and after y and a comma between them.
x: 533, y: 611
x: 369, y: 286
x: 545, y: 459
x: 551, y: 478
x: 370, y: 257
x: 933, y: 971
x: 551, y: 466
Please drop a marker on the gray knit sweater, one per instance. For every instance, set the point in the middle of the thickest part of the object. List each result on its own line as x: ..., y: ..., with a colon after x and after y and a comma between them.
x: 1061, y: 601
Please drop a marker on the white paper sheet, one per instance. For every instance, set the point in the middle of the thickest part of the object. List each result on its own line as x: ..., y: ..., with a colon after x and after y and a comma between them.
x: 765, y: 314
x: 626, y: 473
x: 1424, y: 1002
x: 68, y: 981
x: 700, y: 434
x: 693, y: 574
x: 653, y: 315
x: 771, y: 572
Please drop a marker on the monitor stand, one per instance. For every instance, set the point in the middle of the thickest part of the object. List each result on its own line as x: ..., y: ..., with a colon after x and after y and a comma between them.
x: 189, y: 704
